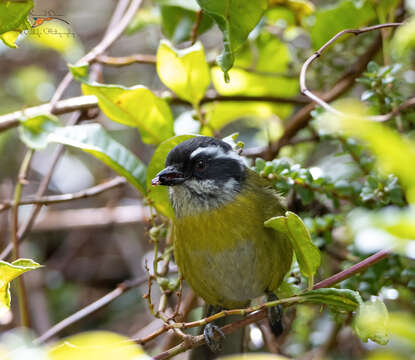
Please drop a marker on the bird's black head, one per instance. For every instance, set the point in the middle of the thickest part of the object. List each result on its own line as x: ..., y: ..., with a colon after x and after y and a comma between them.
x: 202, y: 170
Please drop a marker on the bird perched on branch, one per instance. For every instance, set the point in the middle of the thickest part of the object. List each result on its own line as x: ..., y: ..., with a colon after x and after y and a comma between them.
x: 221, y: 245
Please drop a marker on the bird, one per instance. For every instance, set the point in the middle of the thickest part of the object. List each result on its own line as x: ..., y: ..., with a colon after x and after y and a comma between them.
x: 221, y: 246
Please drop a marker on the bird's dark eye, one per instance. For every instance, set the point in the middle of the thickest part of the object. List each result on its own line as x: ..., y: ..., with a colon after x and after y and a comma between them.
x: 200, y: 165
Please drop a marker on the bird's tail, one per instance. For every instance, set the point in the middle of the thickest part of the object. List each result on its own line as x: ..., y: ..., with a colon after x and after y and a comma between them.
x: 275, y: 316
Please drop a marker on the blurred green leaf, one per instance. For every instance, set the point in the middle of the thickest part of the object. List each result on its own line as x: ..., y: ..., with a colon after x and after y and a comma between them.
x: 394, y: 152
x: 145, y: 17
x: 254, y: 357
x: 190, y: 5
x: 371, y: 322
x: 34, y: 131
x: 236, y: 19
x: 93, y: 139
x: 185, y: 72
x: 8, y: 272
x: 402, y: 326
x: 159, y: 194
x: 340, y: 299
x: 307, y: 254
x: 404, y: 39
x: 300, y: 8
x: 346, y: 14
x: 102, y: 345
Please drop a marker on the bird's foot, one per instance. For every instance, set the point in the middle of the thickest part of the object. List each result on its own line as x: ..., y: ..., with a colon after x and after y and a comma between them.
x: 209, y: 332
x: 275, y: 320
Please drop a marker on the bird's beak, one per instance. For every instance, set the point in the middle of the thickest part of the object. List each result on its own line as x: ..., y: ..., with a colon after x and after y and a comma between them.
x: 169, y: 176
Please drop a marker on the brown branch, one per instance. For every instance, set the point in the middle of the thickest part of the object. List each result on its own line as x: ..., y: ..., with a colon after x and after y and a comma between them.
x: 56, y: 199
x: 195, y: 28
x: 12, y: 120
x: 91, y: 308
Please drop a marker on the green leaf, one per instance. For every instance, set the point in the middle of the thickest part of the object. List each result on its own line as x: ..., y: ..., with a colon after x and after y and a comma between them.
x: 9, y: 38
x: 340, y: 299
x: 307, y: 254
x: 13, y: 14
x: 402, y: 325
x: 236, y: 19
x: 159, y: 194
x: 34, y: 131
x: 92, y: 138
x: 8, y: 272
x: 300, y: 8
x: 133, y: 106
x: 371, y: 322
x: 136, y: 106
x: 404, y: 39
x: 185, y: 72
x: 346, y: 14
x: 190, y: 5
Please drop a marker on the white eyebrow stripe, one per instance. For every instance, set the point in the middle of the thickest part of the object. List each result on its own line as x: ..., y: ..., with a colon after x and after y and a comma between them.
x: 217, y: 153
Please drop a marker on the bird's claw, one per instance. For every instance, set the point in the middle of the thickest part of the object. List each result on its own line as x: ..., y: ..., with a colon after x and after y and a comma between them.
x: 215, y: 345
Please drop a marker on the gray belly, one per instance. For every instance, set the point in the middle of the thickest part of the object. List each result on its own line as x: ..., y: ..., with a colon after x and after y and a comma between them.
x: 235, y: 274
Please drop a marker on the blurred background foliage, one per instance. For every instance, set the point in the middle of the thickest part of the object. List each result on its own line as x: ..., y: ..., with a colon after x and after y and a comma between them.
x: 353, y: 182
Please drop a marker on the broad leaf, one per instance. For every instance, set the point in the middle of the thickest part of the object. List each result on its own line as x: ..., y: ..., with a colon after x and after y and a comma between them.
x: 34, y: 131
x: 185, y: 72
x: 102, y: 345
x: 236, y: 19
x: 13, y: 20
x: 8, y: 272
x: 339, y: 299
x: 371, y: 322
x: 307, y: 254
x: 159, y: 194
x: 404, y: 39
x: 133, y: 106
x: 92, y: 138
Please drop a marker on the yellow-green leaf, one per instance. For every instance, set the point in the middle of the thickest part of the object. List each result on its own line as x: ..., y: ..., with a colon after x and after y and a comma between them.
x: 404, y: 39
x: 92, y: 138
x: 307, y: 254
x: 8, y: 272
x: 159, y: 194
x: 102, y: 345
x: 371, y: 322
x: 9, y: 38
x: 339, y: 299
x: 185, y: 72
x: 300, y: 8
x: 136, y: 106
x: 13, y: 14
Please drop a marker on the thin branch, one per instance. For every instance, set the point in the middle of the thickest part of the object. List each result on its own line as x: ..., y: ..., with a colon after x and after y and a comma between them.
x: 55, y: 199
x: 12, y: 120
x: 91, y: 308
x: 21, y: 180
x: 405, y: 105
x: 359, y: 267
x: 301, y: 118
x: 195, y: 28
x: 317, y: 54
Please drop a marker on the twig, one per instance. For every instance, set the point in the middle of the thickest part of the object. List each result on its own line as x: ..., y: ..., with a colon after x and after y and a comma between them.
x: 56, y: 199
x: 12, y: 120
x: 91, y: 308
x: 303, y: 72
x: 405, y: 105
x: 195, y: 28
x: 21, y: 179
x: 359, y: 267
